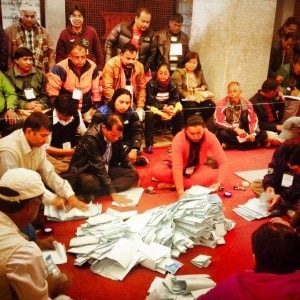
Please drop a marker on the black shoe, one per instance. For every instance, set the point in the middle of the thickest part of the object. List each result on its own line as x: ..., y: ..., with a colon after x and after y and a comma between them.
x: 141, y: 161
x: 149, y: 149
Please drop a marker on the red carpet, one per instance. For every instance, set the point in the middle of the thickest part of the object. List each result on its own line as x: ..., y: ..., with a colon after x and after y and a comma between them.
x: 232, y: 257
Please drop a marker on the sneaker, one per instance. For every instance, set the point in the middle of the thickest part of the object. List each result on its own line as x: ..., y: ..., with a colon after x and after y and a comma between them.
x: 141, y: 161
x: 149, y: 149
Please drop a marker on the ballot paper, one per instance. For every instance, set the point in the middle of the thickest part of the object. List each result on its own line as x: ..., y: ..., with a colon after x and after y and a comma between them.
x: 54, y: 214
x: 201, y: 261
x: 255, y: 208
x: 58, y: 255
x: 133, y: 194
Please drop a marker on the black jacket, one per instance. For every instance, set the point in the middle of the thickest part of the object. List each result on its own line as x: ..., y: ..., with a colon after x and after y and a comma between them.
x: 89, y: 152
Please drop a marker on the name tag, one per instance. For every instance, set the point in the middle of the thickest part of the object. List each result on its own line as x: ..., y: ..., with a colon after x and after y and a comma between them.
x: 77, y: 94
x: 29, y: 94
x: 189, y: 170
x: 66, y: 145
x: 287, y: 180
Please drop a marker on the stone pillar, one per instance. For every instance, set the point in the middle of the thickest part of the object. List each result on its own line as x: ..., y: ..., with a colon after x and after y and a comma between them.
x: 55, y: 18
x: 233, y: 39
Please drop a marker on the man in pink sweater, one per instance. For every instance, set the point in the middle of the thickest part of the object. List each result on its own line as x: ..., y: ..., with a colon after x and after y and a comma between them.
x: 197, y: 159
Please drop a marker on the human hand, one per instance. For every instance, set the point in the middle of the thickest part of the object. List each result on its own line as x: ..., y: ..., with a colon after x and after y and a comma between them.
x: 11, y: 117
x: 46, y: 244
x: 132, y: 155
x: 58, y: 202
x: 57, y: 284
x: 270, y: 190
x: 250, y: 137
x: 121, y: 199
x: 281, y: 221
x: 240, y: 132
x: 279, y: 78
x: 73, y: 201
x: 34, y: 106
x: 215, y: 187
x: 273, y: 202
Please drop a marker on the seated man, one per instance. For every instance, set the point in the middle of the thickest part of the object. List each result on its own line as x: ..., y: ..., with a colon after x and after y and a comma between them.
x: 236, y: 121
x: 100, y: 162
x: 77, y: 76
x: 290, y: 85
x: 28, y: 82
x: 67, y: 127
x: 8, y: 104
x: 276, y: 274
x: 125, y: 71
x: 283, y: 179
x: 23, y: 273
x: 120, y: 104
x: 197, y: 159
x: 23, y: 148
x: 269, y: 107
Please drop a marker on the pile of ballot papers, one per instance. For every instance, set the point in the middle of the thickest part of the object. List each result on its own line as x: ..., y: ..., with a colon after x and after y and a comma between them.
x: 113, y: 246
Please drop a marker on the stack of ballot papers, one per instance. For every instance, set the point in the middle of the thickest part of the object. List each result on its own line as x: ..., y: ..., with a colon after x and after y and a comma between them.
x: 255, y: 208
x: 54, y: 214
x: 114, y: 245
x: 201, y: 261
x: 180, y: 287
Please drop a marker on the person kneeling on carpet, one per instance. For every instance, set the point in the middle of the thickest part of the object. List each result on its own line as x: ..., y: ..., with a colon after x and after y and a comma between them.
x: 100, y: 164
x: 276, y: 274
x: 197, y: 159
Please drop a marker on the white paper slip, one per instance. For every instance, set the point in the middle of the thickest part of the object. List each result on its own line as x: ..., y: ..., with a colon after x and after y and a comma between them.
x: 201, y: 261
x: 58, y: 254
x: 133, y: 194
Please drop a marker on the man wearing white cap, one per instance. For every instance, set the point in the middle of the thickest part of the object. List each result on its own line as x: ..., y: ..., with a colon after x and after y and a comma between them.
x: 22, y: 269
x: 30, y: 34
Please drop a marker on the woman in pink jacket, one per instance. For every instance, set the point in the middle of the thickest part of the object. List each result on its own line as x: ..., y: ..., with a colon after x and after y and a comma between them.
x: 197, y: 159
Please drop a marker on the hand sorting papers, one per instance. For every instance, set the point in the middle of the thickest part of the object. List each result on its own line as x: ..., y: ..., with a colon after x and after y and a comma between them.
x: 54, y: 214
x: 58, y: 255
x: 255, y: 208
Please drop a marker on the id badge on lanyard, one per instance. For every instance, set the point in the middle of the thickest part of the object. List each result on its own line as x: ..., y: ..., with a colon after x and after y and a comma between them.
x: 287, y: 180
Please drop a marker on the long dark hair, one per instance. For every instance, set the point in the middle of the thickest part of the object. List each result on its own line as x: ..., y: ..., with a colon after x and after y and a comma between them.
x: 116, y: 95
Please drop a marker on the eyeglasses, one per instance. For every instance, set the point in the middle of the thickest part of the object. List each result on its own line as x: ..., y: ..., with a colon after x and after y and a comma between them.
x: 239, y: 188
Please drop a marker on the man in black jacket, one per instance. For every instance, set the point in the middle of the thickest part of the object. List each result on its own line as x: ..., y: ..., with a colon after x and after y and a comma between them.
x: 104, y: 165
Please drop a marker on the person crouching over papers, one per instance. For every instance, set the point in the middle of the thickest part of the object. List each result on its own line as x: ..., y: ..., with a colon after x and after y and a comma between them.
x: 100, y: 164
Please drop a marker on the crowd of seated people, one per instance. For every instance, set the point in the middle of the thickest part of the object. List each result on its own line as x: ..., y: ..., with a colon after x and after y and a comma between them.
x: 83, y: 100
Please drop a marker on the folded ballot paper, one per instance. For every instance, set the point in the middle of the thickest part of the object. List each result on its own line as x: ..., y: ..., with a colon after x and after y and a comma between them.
x: 201, y: 261
x: 54, y: 214
x: 113, y: 244
x: 255, y: 208
x: 188, y: 286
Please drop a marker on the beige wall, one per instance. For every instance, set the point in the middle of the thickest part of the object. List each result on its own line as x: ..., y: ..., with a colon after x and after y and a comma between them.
x: 55, y: 18
x: 233, y: 38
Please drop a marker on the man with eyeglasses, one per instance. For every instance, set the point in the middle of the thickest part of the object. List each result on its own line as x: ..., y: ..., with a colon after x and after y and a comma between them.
x: 30, y: 34
x: 77, y: 76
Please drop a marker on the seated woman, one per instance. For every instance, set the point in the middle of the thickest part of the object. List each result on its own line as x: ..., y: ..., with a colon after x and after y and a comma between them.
x: 162, y: 103
x: 121, y: 104
x: 189, y: 79
x: 197, y: 159
x: 276, y: 274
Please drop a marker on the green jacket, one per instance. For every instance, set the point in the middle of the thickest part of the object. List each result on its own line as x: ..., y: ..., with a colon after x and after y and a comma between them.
x: 8, y: 96
x: 35, y: 80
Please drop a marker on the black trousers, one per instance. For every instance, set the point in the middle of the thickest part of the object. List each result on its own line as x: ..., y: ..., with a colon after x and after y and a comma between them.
x: 122, y: 180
